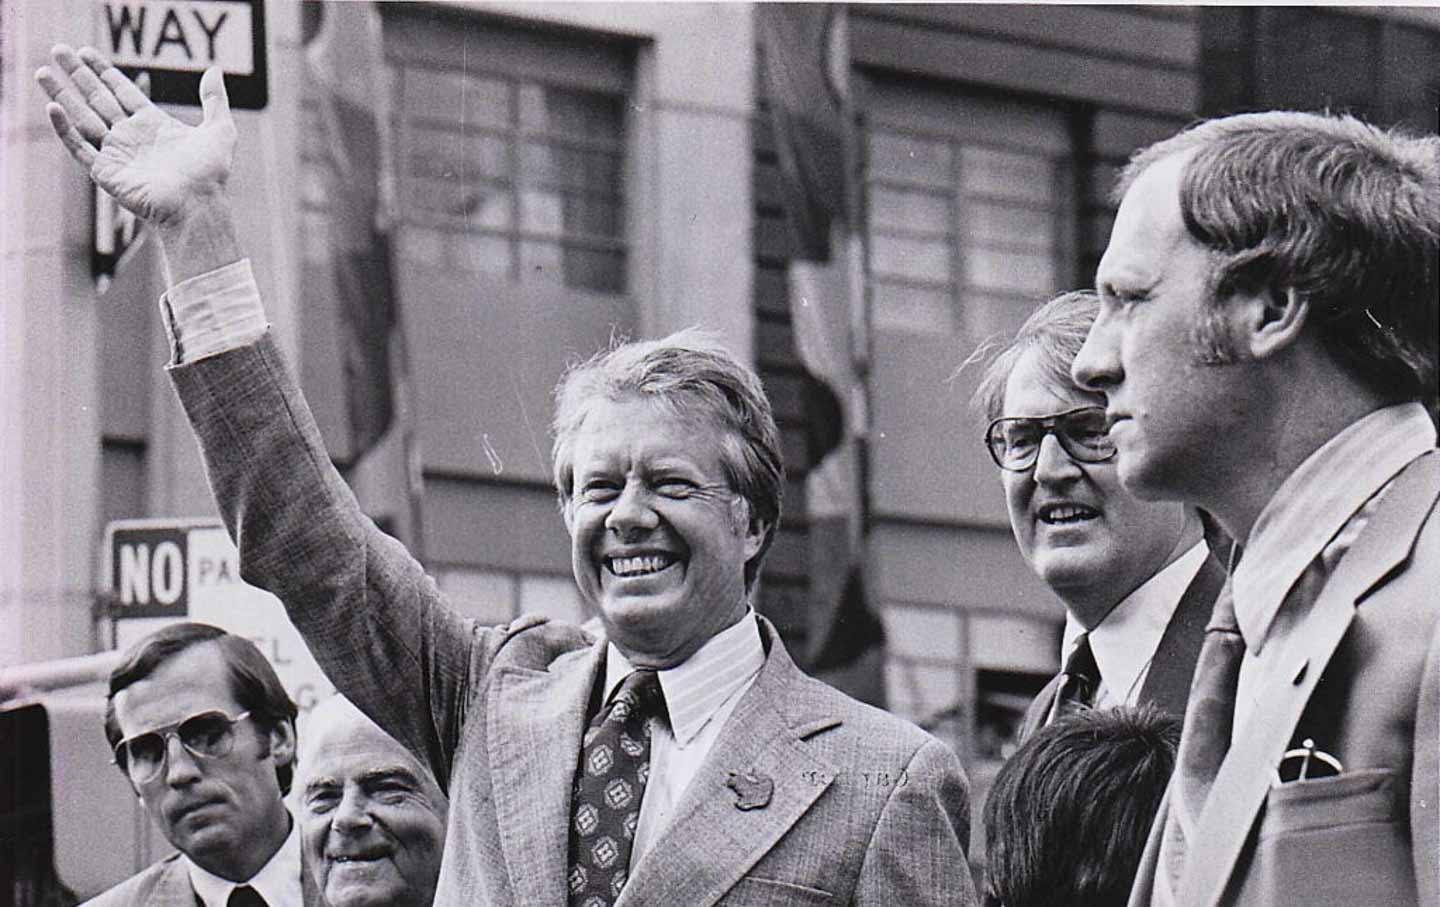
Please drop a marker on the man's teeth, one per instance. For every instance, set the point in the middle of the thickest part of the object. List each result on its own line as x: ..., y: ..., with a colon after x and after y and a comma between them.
x: 639, y: 566
x: 1066, y: 514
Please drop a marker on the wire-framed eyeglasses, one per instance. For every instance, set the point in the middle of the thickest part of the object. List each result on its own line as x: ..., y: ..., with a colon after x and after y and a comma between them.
x: 1084, y: 433
x: 207, y: 735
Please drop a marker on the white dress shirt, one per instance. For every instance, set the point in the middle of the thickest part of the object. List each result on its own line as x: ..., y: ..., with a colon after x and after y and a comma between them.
x: 278, y: 881
x: 700, y: 694
x: 1125, y: 640
x: 1305, y: 515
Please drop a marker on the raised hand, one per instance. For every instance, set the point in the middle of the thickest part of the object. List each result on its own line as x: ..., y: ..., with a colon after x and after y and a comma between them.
x: 155, y: 166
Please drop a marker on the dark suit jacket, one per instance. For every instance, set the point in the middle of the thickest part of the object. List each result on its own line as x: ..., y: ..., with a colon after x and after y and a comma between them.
x: 861, y: 806
x: 1365, y: 686
x: 166, y: 883
x: 1167, y: 685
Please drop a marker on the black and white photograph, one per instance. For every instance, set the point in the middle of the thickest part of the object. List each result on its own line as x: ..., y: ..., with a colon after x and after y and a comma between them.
x: 582, y: 453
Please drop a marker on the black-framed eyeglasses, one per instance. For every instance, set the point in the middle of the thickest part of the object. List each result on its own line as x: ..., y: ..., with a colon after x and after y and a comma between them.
x: 1084, y: 433
x: 207, y: 735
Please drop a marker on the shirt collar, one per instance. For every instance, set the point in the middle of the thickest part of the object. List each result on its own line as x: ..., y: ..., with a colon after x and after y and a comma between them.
x: 698, y: 686
x: 1314, y: 504
x: 278, y: 881
x: 1125, y: 640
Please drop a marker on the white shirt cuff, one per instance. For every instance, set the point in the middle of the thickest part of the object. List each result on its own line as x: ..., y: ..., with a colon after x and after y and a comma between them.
x: 214, y: 312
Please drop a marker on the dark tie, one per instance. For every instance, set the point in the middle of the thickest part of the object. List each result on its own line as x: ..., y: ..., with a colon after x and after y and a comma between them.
x: 245, y: 896
x: 1078, y: 681
x: 614, y: 766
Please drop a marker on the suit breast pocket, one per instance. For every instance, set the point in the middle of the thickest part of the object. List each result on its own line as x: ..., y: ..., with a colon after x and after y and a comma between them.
x: 1337, y: 840
x: 757, y: 891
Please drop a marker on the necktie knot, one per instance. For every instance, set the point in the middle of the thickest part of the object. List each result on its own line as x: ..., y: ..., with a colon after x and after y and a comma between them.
x: 245, y: 896
x: 638, y: 697
x: 1082, y: 674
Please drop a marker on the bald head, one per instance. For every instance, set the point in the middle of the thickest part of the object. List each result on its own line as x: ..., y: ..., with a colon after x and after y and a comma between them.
x: 372, y: 817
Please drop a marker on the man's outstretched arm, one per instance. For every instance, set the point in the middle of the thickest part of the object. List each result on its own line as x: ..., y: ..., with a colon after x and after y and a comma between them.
x: 367, y: 610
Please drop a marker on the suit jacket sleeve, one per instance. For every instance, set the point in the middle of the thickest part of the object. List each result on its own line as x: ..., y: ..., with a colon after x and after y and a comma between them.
x: 917, y: 853
x: 374, y: 621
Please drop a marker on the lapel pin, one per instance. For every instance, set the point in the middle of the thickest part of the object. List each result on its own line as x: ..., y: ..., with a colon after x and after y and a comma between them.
x: 752, y: 791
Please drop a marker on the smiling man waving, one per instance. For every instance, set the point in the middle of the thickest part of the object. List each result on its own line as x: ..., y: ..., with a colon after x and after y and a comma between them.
x: 681, y: 758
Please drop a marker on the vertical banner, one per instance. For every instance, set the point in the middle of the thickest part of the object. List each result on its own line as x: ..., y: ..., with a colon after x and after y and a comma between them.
x: 347, y: 65
x: 806, y: 63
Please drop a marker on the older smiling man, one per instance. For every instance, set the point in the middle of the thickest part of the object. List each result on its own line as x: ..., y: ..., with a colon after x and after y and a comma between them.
x: 372, y: 818
x: 1135, y: 576
x: 682, y: 758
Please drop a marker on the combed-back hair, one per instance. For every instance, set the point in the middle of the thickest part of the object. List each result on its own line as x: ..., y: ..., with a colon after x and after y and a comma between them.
x: 1068, y: 815
x: 1345, y: 214
x: 1056, y: 331
x: 694, y: 377
x: 253, y: 681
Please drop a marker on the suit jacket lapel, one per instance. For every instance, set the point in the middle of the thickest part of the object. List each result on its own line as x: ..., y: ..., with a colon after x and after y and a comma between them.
x: 1245, y: 776
x: 1040, y: 708
x: 1168, y: 682
x: 534, y: 721
x: 172, y: 888
x: 711, y: 843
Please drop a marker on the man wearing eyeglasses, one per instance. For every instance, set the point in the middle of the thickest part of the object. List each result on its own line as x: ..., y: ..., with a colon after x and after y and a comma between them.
x: 205, y: 735
x: 1135, y: 576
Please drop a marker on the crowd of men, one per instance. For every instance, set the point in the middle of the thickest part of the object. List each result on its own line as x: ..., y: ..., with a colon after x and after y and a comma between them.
x: 1255, y: 364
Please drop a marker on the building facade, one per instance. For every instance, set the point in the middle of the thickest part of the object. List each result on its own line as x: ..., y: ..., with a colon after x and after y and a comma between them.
x: 568, y: 172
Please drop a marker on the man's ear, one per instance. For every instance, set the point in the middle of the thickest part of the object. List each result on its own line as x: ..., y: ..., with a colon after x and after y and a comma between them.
x: 755, y: 532
x: 1273, y: 321
x: 282, y: 742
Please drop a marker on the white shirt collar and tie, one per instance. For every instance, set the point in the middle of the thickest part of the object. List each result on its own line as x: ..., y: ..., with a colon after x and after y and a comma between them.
x: 700, y: 694
x: 1125, y: 640
x: 278, y: 881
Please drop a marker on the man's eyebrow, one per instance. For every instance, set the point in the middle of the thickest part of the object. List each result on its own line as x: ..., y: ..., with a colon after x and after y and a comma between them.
x: 322, y: 782
x: 388, y: 773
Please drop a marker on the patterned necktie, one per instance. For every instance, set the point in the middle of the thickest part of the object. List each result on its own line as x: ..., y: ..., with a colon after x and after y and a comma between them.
x: 1078, y: 681
x: 245, y: 896
x: 614, y: 766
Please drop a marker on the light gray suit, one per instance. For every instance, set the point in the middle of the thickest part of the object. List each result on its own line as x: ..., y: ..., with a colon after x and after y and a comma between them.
x: 166, y: 883
x: 1364, y: 685
x: 865, y: 808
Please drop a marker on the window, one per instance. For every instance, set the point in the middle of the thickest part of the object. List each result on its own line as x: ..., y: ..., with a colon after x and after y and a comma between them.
x: 512, y: 176
x: 970, y: 208
x: 509, y: 151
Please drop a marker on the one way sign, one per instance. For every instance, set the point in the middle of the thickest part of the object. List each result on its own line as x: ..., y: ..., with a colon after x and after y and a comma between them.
x: 176, y: 40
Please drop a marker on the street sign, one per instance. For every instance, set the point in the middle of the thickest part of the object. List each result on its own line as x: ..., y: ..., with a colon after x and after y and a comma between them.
x: 161, y: 571
x: 177, y: 40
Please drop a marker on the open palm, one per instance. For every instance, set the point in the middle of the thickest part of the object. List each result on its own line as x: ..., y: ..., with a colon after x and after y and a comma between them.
x: 153, y: 164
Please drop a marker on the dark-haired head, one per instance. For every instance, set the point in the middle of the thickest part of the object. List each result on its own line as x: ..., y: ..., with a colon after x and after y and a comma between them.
x: 252, y: 679
x: 1068, y: 815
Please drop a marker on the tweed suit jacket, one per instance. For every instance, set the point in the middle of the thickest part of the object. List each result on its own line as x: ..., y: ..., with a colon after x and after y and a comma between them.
x: 855, y: 805
x: 1167, y: 684
x: 1364, y: 685
x: 166, y: 883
